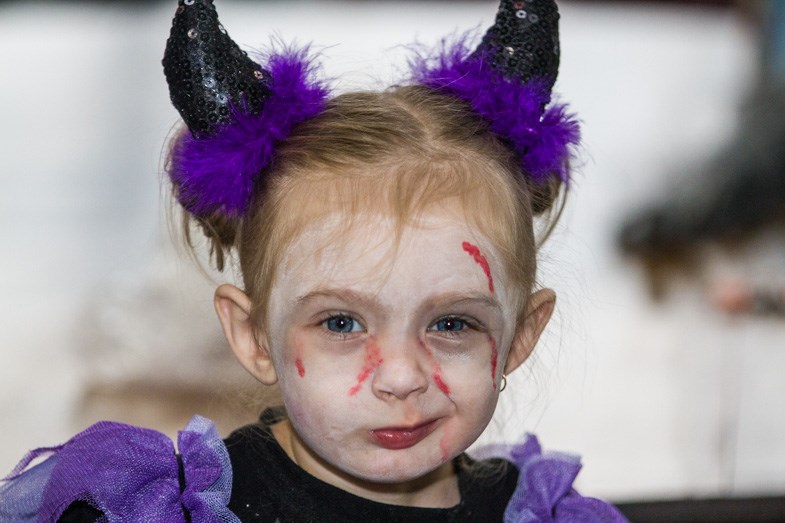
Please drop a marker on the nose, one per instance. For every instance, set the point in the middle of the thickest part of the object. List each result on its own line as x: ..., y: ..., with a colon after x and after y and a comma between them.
x: 403, y: 371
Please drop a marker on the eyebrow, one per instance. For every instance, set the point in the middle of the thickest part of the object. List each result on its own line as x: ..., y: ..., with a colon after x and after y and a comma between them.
x: 344, y: 295
x: 446, y: 299
x: 461, y: 298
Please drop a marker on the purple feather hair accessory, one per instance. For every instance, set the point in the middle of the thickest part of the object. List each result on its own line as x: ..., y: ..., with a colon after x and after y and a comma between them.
x: 218, y: 173
x: 541, y: 134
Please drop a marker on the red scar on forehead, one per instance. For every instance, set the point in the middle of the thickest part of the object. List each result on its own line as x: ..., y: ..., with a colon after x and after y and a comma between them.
x: 373, y: 358
x: 300, y: 368
x: 475, y: 253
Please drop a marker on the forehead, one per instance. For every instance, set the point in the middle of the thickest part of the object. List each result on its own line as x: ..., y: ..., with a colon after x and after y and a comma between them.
x: 372, y: 252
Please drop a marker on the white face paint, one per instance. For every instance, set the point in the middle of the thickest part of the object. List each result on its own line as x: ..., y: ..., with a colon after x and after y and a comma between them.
x: 387, y: 360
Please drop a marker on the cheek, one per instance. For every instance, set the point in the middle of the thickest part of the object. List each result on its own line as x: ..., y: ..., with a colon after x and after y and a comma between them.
x: 475, y: 404
x: 494, y: 359
x: 313, y: 378
x: 315, y: 404
x: 476, y: 363
x: 445, y: 444
x: 292, y: 359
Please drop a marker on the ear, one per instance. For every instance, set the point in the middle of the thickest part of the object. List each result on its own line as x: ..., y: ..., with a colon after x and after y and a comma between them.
x: 538, y: 312
x: 249, y: 346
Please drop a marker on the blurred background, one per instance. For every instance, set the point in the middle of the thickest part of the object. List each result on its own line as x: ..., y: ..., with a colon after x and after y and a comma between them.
x: 664, y: 367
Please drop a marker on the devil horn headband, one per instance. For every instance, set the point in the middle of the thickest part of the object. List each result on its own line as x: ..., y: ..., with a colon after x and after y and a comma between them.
x: 523, y: 43
x: 508, y: 80
x: 238, y: 111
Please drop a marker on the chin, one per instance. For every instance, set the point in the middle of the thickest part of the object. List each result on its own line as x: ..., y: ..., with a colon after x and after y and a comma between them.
x: 394, y: 466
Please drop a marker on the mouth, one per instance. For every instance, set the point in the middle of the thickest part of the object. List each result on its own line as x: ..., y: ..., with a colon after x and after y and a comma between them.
x: 396, y: 438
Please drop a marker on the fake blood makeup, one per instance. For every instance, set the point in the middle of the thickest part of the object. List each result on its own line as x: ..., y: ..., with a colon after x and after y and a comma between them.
x: 437, y: 369
x: 494, y: 359
x: 373, y: 358
x: 443, y: 448
x: 481, y: 260
x: 437, y: 378
x: 298, y: 360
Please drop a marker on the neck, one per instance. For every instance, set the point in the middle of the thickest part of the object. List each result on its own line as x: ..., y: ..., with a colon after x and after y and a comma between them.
x: 437, y: 489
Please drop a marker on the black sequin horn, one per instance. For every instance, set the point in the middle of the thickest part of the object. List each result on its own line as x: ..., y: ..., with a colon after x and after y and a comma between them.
x: 236, y: 110
x: 207, y: 71
x: 508, y: 79
x: 524, y: 41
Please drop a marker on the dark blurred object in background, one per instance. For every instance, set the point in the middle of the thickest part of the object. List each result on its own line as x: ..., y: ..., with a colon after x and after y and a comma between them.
x: 739, y: 191
x: 741, y: 510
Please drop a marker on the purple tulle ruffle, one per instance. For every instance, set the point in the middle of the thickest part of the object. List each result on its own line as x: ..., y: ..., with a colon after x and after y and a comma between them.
x: 128, y: 473
x: 218, y: 173
x: 518, y: 112
x: 544, y: 493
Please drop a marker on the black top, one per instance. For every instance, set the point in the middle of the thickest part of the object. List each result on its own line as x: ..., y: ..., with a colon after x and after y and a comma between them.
x: 269, y: 487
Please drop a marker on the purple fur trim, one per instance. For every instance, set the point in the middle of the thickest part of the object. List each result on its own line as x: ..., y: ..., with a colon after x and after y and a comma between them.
x: 514, y: 109
x: 219, y: 172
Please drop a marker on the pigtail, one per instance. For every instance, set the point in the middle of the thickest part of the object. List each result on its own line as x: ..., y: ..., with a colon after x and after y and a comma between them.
x: 546, y: 196
x: 220, y: 230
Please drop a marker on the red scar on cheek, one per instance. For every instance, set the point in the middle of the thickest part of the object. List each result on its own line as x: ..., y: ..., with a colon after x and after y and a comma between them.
x: 443, y: 447
x: 298, y: 362
x: 494, y: 359
x: 475, y: 253
x: 437, y: 370
x: 373, y: 358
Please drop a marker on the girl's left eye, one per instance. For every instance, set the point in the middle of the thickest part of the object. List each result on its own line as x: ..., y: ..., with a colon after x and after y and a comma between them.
x: 450, y: 325
x: 342, y: 324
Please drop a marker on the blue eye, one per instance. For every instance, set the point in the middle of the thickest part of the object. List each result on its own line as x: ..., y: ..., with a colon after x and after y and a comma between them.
x: 342, y: 324
x: 450, y: 325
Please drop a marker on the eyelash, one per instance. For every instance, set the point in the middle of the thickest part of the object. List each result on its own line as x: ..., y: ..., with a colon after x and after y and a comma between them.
x: 465, y: 322
x: 324, y: 323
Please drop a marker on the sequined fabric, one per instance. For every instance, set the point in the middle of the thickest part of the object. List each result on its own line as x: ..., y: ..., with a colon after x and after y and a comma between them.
x: 208, y: 74
x: 523, y: 43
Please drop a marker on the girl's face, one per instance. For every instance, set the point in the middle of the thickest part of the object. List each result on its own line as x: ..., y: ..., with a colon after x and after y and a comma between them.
x: 389, y: 361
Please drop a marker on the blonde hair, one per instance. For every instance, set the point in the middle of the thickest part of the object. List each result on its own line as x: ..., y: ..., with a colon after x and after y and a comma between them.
x: 400, y: 152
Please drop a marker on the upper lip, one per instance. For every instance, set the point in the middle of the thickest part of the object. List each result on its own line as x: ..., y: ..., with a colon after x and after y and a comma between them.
x: 407, y: 428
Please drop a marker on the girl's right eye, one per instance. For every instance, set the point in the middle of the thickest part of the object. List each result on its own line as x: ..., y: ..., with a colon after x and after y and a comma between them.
x: 342, y: 324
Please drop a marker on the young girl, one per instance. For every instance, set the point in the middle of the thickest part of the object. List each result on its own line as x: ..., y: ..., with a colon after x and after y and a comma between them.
x: 387, y: 248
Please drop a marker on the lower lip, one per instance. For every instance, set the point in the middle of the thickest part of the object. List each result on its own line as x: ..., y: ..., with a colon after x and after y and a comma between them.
x: 396, y: 439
